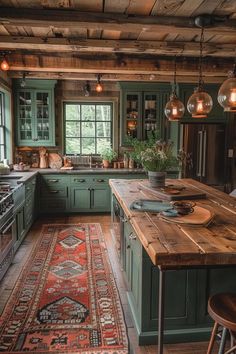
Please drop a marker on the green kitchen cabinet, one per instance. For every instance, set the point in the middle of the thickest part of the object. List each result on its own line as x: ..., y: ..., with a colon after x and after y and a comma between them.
x: 54, y: 193
x: 30, y: 203
x: 90, y: 193
x: 142, y: 111
x: 142, y: 280
x: 34, y: 111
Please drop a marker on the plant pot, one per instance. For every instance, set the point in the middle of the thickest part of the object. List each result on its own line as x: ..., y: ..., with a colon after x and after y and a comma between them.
x: 106, y: 163
x: 156, y: 179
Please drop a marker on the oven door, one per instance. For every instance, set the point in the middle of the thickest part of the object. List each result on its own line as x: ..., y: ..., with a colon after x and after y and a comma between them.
x: 6, y: 243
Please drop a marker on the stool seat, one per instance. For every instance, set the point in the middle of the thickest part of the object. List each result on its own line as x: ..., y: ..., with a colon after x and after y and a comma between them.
x: 222, y: 308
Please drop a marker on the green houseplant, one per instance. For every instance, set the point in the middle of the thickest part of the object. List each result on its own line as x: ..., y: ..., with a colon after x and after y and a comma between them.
x: 108, y: 155
x: 156, y: 160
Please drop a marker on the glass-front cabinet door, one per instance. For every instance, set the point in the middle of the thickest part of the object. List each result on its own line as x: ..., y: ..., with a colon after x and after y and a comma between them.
x: 42, y: 115
x: 35, y: 114
x: 132, y: 115
x: 25, y: 114
x: 150, y: 114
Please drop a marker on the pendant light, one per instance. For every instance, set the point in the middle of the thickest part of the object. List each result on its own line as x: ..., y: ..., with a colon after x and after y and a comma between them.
x: 227, y: 92
x: 174, y: 109
x: 99, y: 87
x: 4, y: 63
x: 200, y: 103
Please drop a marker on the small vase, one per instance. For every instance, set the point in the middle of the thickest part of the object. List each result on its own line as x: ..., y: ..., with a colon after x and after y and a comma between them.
x: 106, y: 163
x: 156, y: 179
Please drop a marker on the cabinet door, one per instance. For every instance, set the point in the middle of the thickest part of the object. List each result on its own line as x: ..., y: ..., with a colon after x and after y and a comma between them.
x: 132, y: 120
x: 101, y: 198
x: 25, y: 116
x: 150, y: 123
x: 43, y: 120
x: 35, y: 114
x: 80, y: 199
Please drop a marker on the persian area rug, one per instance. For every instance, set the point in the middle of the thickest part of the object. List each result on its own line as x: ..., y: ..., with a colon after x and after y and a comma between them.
x: 65, y: 300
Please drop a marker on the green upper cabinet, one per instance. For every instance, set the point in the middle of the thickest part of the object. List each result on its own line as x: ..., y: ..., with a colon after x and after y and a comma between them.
x: 142, y: 111
x: 34, y: 109
x: 217, y: 113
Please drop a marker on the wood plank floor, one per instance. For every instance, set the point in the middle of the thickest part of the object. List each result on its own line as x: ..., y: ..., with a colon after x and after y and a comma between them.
x: 7, y: 284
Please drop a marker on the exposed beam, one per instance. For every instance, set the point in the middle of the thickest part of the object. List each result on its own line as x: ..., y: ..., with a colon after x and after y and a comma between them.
x: 115, y: 46
x: 108, y: 21
x: 113, y: 77
x: 128, y: 65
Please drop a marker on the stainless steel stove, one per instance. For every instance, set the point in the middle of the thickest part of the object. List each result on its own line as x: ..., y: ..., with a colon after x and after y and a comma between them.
x: 6, y: 229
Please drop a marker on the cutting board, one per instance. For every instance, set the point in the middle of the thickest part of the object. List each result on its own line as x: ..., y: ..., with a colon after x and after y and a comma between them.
x: 173, y: 192
x: 200, y: 217
x: 54, y: 160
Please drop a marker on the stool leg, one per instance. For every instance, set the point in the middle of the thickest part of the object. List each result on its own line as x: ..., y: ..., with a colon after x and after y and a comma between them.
x: 213, y: 333
x: 223, y: 340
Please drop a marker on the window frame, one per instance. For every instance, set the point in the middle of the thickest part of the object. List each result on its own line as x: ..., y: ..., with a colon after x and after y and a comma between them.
x: 95, y: 103
x: 3, y: 148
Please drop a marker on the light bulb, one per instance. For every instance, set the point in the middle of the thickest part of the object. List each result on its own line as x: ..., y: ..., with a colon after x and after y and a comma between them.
x: 199, y: 107
x: 99, y: 87
x: 4, y: 65
x: 174, y: 111
x: 232, y: 96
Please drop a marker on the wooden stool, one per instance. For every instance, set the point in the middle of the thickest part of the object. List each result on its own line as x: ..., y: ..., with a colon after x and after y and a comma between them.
x: 222, y: 308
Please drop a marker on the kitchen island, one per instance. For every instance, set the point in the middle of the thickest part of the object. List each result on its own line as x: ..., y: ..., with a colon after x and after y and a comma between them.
x: 198, y: 260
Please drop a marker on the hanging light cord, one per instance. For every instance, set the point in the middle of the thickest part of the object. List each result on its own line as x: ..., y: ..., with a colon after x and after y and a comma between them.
x: 201, y: 82
x: 174, y: 90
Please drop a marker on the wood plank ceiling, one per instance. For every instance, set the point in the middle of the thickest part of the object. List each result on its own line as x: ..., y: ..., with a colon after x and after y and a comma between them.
x: 120, y: 39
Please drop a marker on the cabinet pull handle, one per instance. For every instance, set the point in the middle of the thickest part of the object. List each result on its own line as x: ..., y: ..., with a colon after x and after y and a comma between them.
x: 28, y: 188
x: 79, y: 180
x: 132, y: 236
x: 100, y: 180
x: 53, y: 180
x: 128, y: 246
x: 54, y: 192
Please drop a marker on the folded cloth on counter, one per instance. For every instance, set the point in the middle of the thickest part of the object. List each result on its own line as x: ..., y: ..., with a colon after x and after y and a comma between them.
x: 150, y: 205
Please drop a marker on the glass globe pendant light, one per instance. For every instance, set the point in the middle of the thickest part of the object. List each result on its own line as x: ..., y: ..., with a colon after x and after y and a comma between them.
x: 174, y: 109
x: 200, y: 103
x: 227, y: 92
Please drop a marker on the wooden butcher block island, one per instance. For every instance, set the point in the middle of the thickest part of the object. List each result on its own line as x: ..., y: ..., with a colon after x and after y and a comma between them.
x: 199, y: 260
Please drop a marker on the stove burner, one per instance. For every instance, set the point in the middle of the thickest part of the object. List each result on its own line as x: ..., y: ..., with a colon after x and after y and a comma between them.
x: 5, y: 187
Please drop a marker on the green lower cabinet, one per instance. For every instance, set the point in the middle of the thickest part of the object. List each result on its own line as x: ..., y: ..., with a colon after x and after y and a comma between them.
x: 80, y: 199
x: 186, y: 294
x: 101, y: 198
x: 54, y: 193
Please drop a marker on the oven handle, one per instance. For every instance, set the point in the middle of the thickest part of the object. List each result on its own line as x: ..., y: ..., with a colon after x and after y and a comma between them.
x: 8, y: 227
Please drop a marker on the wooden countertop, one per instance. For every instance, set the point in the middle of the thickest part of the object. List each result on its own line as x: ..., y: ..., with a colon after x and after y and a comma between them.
x: 173, y: 245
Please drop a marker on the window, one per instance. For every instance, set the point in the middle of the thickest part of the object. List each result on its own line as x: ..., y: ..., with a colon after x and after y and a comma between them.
x: 2, y: 128
x: 88, y: 127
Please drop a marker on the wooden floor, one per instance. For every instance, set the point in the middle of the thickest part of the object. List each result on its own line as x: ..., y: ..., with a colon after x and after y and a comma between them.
x: 7, y: 284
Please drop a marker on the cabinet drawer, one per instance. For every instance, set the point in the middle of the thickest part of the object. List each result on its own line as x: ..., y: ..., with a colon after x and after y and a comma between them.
x: 100, y: 180
x: 48, y: 192
x: 54, y: 179
x: 30, y: 187
x: 80, y: 180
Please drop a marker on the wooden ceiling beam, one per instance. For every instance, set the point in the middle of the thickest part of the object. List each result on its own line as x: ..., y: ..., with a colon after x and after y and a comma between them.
x: 115, y: 46
x: 108, y: 21
x: 128, y: 65
x: 113, y: 77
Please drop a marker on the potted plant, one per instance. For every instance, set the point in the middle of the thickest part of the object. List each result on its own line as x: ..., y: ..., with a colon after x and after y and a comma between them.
x: 108, y: 155
x: 156, y: 160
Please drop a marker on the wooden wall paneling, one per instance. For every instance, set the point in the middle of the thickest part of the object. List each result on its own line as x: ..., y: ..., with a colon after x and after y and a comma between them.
x: 116, y: 6
x: 187, y: 7
x: 87, y: 5
x: 207, y: 7
x: 138, y: 7
x: 111, y: 34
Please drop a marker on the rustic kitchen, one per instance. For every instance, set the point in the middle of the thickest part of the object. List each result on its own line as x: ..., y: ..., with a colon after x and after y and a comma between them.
x: 117, y: 176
